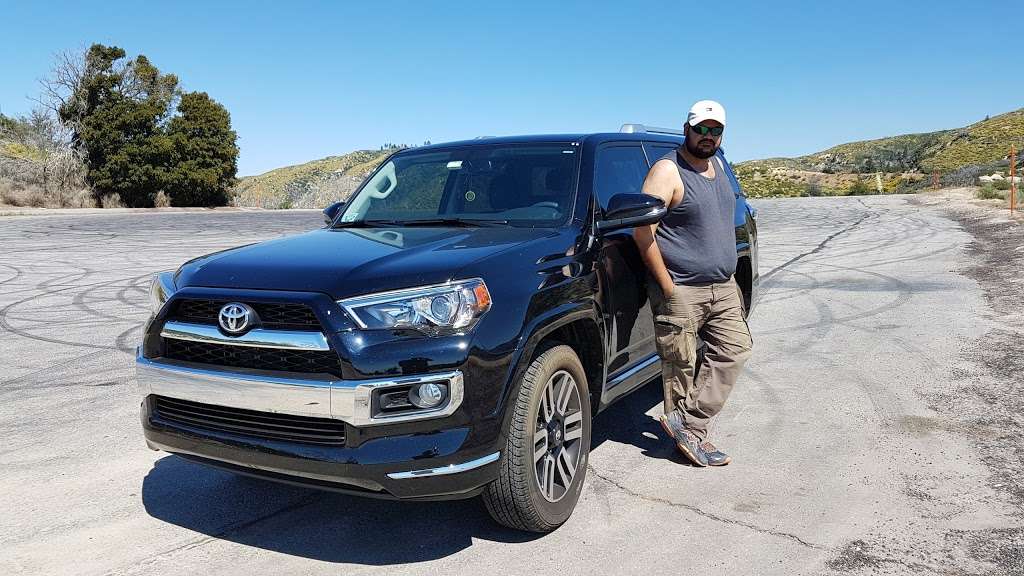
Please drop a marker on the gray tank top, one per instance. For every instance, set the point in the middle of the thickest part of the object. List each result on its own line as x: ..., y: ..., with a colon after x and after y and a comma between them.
x: 697, y: 238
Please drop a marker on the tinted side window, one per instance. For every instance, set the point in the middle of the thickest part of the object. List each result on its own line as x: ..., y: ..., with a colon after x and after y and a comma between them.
x: 619, y: 170
x: 656, y: 150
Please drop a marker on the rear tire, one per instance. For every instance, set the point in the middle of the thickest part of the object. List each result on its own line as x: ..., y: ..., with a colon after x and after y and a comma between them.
x: 544, y: 462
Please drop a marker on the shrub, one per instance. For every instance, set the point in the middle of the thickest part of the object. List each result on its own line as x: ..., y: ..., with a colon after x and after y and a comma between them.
x: 161, y: 200
x: 859, y: 188
x: 989, y: 192
x: 1001, y: 184
x: 16, y: 195
x: 111, y: 201
x: 814, y: 189
x: 81, y: 198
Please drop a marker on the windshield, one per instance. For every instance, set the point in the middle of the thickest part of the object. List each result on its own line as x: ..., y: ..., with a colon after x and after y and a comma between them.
x: 517, y: 184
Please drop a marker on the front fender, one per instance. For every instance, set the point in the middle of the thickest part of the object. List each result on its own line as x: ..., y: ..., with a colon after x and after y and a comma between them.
x: 534, y: 333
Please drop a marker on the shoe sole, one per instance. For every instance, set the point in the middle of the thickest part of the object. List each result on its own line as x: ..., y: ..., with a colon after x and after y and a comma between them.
x: 679, y: 445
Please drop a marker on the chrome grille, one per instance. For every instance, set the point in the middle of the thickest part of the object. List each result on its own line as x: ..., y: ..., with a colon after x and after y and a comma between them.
x: 249, y: 422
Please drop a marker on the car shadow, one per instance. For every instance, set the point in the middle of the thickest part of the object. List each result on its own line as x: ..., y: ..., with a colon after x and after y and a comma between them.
x: 339, y: 528
x: 313, y: 523
x: 627, y: 422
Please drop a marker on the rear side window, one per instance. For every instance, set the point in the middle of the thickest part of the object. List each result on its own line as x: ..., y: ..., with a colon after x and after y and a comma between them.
x: 657, y: 150
x: 619, y: 170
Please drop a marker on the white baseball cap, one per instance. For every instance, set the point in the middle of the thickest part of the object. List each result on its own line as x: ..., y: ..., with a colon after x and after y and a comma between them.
x: 706, y: 110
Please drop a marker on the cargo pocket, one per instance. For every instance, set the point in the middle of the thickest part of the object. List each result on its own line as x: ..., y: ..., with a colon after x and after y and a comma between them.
x: 676, y: 343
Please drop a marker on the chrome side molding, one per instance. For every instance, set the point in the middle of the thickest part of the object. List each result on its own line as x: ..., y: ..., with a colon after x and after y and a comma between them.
x: 257, y: 337
x: 445, y: 470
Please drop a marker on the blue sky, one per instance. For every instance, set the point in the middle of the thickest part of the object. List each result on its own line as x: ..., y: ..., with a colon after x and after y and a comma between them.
x: 304, y: 80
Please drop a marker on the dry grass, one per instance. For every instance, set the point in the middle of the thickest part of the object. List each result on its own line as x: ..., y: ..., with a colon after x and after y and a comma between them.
x: 30, y: 196
x: 111, y: 201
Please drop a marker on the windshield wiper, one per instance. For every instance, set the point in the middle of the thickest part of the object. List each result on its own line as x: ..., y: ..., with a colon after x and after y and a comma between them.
x: 464, y: 222
x: 461, y: 222
x: 368, y: 224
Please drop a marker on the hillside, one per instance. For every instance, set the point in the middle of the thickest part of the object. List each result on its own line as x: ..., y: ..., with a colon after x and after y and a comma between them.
x: 311, y: 185
x: 899, y: 163
x: 895, y: 164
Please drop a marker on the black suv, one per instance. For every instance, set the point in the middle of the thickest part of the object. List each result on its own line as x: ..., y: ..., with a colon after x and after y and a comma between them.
x: 450, y: 333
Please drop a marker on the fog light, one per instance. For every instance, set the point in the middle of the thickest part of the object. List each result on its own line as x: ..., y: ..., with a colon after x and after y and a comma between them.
x: 428, y: 395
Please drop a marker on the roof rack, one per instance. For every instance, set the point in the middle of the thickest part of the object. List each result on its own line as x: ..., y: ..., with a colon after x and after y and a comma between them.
x: 641, y: 129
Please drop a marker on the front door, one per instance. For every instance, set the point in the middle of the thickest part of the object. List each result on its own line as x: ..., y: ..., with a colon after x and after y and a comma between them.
x: 620, y: 168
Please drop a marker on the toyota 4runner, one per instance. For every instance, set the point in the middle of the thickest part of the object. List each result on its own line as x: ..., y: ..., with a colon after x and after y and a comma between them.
x: 450, y: 332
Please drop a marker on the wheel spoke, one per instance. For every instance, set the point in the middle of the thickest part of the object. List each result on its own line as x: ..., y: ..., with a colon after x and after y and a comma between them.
x: 547, y: 402
x: 566, y: 468
x: 540, y: 447
x: 548, y: 482
x: 573, y: 418
x: 565, y: 392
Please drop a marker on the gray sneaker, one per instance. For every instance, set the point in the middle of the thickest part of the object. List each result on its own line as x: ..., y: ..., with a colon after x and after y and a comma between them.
x: 715, y: 456
x: 687, y: 442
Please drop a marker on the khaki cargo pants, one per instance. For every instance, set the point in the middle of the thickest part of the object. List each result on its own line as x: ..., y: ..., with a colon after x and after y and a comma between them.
x: 715, y: 312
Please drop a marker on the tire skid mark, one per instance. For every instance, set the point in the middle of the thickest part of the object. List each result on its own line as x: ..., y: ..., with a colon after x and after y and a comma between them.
x: 902, y: 290
x: 26, y: 334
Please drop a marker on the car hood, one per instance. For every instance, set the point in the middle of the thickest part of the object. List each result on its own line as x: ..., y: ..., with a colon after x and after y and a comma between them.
x: 351, y: 261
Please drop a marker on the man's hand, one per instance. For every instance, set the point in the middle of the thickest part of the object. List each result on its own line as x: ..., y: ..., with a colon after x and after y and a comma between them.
x: 668, y: 289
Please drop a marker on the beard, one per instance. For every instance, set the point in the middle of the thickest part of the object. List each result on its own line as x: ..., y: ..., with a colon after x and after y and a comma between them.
x: 703, y: 148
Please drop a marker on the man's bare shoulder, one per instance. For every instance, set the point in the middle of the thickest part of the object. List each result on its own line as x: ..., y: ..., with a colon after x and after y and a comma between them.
x: 664, y: 167
x: 663, y: 180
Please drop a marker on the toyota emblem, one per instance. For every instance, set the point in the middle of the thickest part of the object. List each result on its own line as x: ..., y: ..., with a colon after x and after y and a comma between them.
x: 235, y: 317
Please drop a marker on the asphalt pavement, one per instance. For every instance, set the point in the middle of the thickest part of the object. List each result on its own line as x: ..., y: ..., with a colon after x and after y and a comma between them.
x: 849, y: 452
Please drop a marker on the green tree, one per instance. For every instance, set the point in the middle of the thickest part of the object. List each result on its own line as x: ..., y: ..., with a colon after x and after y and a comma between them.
x: 122, y: 115
x: 204, y: 154
x: 118, y: 112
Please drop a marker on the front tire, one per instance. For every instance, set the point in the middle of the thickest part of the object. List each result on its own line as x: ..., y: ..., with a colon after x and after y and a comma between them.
x: 545, y: 459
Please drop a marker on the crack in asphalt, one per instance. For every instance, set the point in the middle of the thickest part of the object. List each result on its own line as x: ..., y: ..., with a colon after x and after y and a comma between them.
x: 706, y: 514
x: 821, y: 246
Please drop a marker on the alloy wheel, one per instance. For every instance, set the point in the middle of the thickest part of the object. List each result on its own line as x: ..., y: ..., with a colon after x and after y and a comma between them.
x: 557, y: 436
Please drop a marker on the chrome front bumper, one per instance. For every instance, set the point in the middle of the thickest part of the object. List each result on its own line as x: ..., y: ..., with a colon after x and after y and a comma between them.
x: 346, y: 400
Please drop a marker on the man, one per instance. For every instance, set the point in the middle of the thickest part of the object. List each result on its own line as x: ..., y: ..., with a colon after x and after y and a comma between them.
x: 691, y: 258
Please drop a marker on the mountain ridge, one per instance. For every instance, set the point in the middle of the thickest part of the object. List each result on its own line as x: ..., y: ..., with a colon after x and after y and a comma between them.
x: 900, y: 163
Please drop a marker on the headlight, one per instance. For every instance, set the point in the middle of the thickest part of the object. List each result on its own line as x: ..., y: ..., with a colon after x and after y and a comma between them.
x: 448, y: 306
x: 160, y: 290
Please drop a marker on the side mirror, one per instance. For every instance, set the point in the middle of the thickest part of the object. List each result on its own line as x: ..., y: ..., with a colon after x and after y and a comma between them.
x: 332, y: 211
x: 630, y: 211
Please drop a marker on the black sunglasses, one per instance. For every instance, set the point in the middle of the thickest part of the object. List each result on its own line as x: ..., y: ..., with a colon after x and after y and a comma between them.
x: 705, y: 130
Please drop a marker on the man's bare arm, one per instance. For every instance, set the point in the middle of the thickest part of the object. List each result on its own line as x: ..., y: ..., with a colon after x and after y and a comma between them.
x: 661, y: 182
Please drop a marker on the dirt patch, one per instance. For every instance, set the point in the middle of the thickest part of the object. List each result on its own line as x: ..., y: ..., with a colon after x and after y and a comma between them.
x: 1003, y: 549
x: 989, y: 402
x: 985, y: 405
x: 855, y: 556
